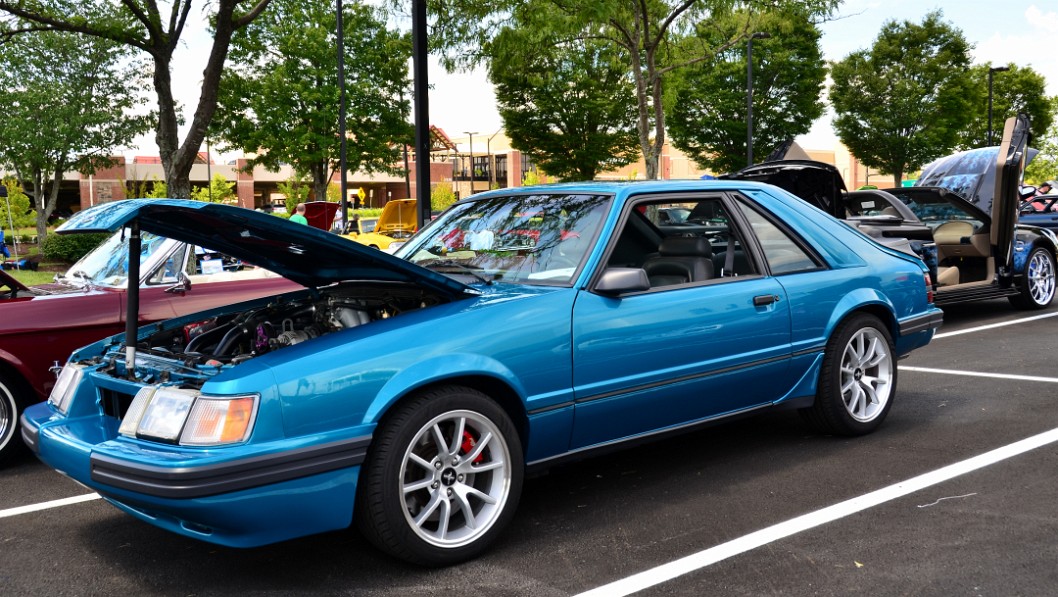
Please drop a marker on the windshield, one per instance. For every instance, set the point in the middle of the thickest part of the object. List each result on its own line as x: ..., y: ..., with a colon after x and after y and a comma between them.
x: 530, y: 239
x: 933, y: 209
x: 107, y: 264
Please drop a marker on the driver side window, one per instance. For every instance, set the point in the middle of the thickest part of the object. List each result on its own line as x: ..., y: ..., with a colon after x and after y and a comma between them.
x: 681, y: 242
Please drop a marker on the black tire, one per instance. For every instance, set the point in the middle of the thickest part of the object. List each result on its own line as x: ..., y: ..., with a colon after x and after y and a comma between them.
x: 13, y: 396
x: 414, y: 504
x: 1036, y: 286
x: 857, y: 383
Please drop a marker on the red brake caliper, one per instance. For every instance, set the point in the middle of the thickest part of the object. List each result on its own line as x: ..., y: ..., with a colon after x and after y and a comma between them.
x: 468, y: 446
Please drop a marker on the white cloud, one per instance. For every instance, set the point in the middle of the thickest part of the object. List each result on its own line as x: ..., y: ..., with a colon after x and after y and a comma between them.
x: 1045, y: 23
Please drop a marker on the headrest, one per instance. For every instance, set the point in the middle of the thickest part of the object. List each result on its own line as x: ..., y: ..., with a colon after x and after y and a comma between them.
x: 685, y: 246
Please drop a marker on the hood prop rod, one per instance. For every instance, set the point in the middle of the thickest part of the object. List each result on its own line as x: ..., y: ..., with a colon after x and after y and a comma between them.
x: 132, y: 297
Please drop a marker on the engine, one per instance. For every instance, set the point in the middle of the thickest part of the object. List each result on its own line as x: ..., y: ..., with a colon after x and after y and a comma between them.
x: 236, y: 337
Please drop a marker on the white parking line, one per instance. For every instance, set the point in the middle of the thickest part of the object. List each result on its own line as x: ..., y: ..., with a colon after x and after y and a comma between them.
x: 77, y: 499
x: 990, y: 326
x: 979, y: 374
x: 694, y: 562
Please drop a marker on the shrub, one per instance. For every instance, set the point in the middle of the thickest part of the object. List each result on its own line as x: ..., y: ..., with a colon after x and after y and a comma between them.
x: 69, y: 247
x: 441, y: 196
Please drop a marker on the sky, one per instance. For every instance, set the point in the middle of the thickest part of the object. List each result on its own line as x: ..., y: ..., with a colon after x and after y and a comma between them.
x: 1001, y: 32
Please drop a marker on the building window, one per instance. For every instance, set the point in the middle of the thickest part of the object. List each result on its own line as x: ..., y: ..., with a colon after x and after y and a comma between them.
x: 527, y: 163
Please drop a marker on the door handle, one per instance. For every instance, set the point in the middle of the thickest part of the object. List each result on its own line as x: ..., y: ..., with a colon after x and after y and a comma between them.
x: 764, y: 299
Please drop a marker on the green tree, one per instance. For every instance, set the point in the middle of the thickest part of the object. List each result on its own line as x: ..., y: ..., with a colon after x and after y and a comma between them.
x: 708, y: 117
x: 148, y: 27
x: 1045, y: 166
x: 280, y: 97
x: 903, y: 102
x: 218, y: 191
x: 150, y: 188
x: 16, y: 208
x: 441, y: 196
x: 1018, y: 90
x: 158, y: 190
x: 334, y: 193
x: 295, y: 190
x: 66, y: 102
x: 566, y: 103
x: 642, y: 32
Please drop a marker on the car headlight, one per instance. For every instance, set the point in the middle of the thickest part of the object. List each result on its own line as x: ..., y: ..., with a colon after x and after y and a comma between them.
x: 185, y: 417
x: 65, y: 387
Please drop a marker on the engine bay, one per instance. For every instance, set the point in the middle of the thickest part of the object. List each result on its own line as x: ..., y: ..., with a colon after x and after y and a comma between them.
x: 235, y: 337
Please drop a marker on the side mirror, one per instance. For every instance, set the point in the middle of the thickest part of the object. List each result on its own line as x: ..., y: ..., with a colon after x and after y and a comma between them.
x: 182, y: 287
x: 621, y: 280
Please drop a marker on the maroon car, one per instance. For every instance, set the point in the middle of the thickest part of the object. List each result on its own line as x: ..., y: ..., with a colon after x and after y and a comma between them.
x: 40, y: 326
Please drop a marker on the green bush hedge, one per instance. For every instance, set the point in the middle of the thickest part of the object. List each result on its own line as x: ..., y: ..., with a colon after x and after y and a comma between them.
x: 69, y: 248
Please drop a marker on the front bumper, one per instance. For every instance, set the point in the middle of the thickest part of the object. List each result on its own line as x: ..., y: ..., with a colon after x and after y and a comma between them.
x: 238, y: 496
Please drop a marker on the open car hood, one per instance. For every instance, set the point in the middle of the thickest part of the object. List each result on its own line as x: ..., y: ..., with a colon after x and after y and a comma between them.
x: 818, y: 183
x: 9, y: 281
x: 304, y: 254
x: 970, y: 174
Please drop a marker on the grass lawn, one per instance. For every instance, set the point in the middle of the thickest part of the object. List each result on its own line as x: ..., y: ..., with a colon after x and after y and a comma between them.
x: 31, y: 278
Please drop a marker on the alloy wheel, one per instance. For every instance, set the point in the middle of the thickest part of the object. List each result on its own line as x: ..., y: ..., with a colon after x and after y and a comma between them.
x: 866, y: 374
x: 455, y: 478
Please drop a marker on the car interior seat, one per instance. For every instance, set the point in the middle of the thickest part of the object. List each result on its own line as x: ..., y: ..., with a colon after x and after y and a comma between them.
x: 680, y: 260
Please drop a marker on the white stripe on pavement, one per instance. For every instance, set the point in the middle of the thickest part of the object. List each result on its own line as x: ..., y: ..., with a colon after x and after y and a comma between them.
x: 77, y: 499
x: 990, y: 326
x: 702, y: 559
x: 1010, y: 376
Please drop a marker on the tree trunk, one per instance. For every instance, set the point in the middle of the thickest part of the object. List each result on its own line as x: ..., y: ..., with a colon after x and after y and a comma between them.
x: 320, y: 181
x: 648, y: 99
x: 177, y: 158
x: 643, y: 122
x: 39, y: 203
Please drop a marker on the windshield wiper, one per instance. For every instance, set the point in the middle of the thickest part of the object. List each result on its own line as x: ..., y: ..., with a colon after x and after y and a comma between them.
x: 81, y: 274
x: 466, y: 269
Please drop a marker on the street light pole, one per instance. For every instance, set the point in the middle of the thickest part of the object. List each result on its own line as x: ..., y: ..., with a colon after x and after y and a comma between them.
x: 488, y: 159
x: 991, y: 71
x: 420, y: 76
x: 209, y: 170
x: 749, y: 93
x: 343, y: 184
x: 471, y: 135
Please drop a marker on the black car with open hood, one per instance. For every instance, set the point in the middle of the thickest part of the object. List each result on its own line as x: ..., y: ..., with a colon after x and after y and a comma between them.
x: 961, y: 219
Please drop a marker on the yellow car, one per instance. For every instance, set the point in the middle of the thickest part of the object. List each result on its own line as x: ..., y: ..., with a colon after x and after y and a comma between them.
x: 398, y: 221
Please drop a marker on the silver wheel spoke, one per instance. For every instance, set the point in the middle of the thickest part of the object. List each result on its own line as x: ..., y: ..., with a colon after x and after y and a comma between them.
x: 457, y: 437
x: 416, y: 486
x: 434, y: 503
x: 848, y: 385
x: 445, y: 518
x: 484, y: 441
x: 464, y: 505
x: 439, y: 439
x: 419, y: 460
x: 486, y: 466
x: 488, y: 499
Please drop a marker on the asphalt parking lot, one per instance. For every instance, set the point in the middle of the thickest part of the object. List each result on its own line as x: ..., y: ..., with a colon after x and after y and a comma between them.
x: 954, y: 495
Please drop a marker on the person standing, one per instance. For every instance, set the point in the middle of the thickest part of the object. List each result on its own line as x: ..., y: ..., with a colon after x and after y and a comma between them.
x: 299, y: 215
x: 338, y: 225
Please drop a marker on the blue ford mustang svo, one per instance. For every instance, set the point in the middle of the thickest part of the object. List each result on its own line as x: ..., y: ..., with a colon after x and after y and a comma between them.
x: 410, y: 393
